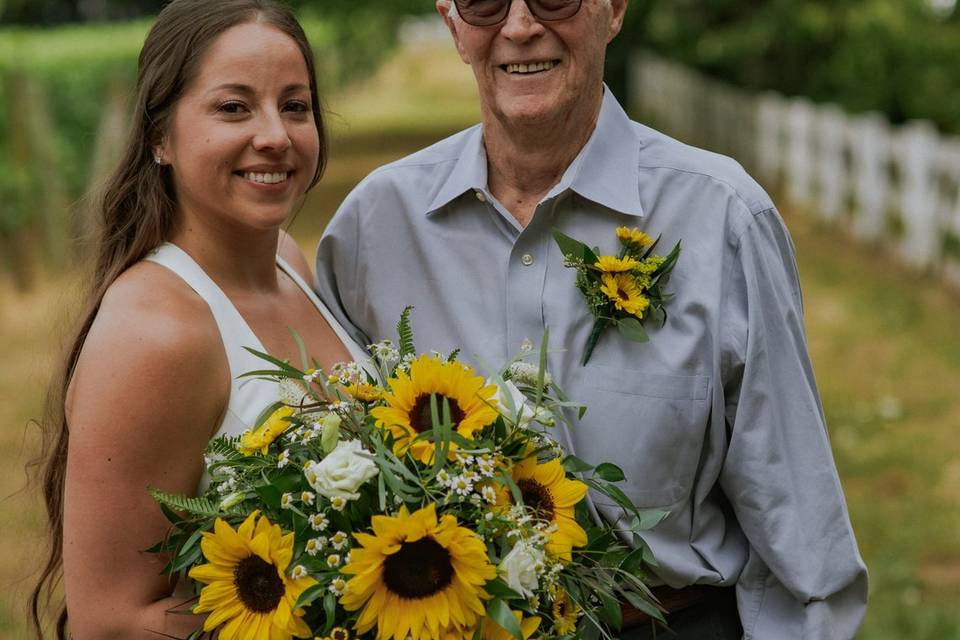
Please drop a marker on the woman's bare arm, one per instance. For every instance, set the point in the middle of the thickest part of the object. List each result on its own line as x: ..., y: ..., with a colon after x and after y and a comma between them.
x: 149, y: 389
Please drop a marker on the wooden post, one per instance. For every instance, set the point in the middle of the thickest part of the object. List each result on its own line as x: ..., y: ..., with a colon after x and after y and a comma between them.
x: 921, y: 243
x: 769, y: 142
x: 870, y: 148
x: 799, y: 153
x: 831, y: 130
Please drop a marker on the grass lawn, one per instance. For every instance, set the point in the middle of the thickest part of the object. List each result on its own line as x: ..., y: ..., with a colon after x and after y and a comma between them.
x: 883, y: 340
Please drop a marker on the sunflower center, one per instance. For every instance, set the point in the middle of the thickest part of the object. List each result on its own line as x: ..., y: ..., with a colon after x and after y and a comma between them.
x: 419, y: 569
x: 536, y: 496
x: 421, y: 419
x: 258, y: 584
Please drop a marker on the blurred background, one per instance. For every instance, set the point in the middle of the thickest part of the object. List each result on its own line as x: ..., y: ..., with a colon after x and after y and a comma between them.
x: 846, y: 110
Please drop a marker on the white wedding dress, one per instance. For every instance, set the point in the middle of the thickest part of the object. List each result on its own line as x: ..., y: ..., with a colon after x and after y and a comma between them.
x: 248, y: 396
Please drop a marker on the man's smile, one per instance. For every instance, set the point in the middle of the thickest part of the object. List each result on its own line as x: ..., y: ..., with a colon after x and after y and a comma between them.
x: 524, y: 68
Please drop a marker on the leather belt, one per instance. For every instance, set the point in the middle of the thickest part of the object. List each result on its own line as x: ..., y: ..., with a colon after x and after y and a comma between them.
x: 673, y: 600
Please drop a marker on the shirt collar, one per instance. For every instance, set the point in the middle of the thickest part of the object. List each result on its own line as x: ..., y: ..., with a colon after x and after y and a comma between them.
x: 468, y: 174
x: 605, y: 170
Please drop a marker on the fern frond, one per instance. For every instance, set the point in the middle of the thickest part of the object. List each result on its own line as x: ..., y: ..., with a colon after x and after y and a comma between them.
x: 405, y: 333
x: 225, y: 447
x: 200, y: 507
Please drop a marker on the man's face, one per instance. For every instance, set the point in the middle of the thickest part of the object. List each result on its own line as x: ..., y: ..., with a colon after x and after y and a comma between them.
x: 530, y: 70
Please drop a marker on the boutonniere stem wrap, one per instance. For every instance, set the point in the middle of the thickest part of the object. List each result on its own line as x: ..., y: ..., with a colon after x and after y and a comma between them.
x: 623, y: 290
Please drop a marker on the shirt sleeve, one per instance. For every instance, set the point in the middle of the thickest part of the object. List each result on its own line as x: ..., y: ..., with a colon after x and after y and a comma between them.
x: 804, y: 576
x: 337, y: 267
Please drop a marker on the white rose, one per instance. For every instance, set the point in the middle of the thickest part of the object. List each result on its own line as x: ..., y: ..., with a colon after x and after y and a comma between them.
x: 522, y: 413
x: 342, y: 472
x: 521, y: 568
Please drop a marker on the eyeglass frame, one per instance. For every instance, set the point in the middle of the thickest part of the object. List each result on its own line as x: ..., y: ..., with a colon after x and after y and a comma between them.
x: 506, y: 12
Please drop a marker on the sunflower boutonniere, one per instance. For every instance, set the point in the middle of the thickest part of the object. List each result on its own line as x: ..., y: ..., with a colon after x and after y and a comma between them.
x: 622, y: 290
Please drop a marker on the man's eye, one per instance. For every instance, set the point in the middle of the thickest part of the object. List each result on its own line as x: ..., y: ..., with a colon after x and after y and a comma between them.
x: 231, y: 106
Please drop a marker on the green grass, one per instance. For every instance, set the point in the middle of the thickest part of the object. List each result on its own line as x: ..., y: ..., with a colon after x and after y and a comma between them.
x: 883, y: 340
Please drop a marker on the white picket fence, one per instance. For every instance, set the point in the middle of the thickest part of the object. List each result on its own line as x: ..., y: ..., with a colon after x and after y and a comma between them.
x: 896, y: 186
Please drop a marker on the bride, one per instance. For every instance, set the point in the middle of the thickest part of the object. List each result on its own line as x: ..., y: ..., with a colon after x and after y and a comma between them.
x: 191, y: 266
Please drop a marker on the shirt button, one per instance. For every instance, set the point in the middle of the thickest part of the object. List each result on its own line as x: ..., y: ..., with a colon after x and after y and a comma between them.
x: 526, y: 259
x: 480, y: 196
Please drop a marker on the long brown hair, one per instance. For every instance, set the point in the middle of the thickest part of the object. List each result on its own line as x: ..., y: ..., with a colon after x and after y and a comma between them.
x: 137, y: 214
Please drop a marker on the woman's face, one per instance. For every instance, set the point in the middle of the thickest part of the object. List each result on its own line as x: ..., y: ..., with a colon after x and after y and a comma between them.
x: 242, y: 143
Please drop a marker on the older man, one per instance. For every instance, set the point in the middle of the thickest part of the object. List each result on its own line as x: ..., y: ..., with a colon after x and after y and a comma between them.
x: 716, y: 418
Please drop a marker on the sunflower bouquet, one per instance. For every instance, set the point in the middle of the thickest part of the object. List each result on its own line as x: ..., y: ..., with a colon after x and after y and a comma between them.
x: 408, y: 499
x: 624, y: 289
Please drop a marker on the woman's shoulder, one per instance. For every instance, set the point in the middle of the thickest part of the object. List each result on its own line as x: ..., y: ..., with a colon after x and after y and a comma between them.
x: 158, y: 308
x: 153, y: 339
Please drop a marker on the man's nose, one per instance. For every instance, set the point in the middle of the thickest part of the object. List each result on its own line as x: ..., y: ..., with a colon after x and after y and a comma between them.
x: 271, y: 134
x: 520, y: 24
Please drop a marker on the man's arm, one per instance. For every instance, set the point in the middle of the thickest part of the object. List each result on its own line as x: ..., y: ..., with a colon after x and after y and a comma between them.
x: 337, y: 267
x: 804, y: 577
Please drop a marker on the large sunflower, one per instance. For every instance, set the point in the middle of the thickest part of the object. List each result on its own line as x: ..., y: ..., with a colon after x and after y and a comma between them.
x: 408, y: 413
x: 248, y: 591
x: 552, y: 496
x: 417, y: 577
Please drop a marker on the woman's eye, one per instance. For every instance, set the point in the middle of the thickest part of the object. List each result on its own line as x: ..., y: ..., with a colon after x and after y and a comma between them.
x: 231, y: 106
x: 297, y: 106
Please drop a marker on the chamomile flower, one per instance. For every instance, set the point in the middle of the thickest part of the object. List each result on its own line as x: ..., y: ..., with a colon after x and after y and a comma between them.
x: 314, y: 545
x: 461, y: 485
x: 338, y: 503
x: 339, y: 540
x: 283, y: 459
x: 337, y: 586
x: 286, y: 501
x: 318, y: 521
x: 333, y: 560
x: 298, y: 572
x: 307, y: 497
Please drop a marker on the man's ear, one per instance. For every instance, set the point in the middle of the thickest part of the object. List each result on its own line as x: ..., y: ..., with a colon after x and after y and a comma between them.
x: 618, y: 11
x: 444, y: 8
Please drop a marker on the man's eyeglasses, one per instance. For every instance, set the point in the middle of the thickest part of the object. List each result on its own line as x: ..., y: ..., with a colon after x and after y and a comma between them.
x: 486, y: 13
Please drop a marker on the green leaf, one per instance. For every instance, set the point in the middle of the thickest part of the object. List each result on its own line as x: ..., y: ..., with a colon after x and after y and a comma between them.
x: 499, y: 589
x: 182, y: 562
x: 266, y: 413
x: 649, y: 518
x: 631, y: 329
x: 330, y: 612
x: 572, y: 249
x: 301, y: 348
x: 611, y: 613
x: 598, y: 326
x: 282, y: 364
x: 609, y: 472
x: 573, y: 464
x: 405, y: 333
x: 637, y: 602
x: 202, y: 507
x: 499, y: 612
x: 542, y: 372
x: 311, y: 594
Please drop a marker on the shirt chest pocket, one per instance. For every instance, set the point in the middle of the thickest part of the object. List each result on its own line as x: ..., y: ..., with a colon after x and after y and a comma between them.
x: 650, y: 425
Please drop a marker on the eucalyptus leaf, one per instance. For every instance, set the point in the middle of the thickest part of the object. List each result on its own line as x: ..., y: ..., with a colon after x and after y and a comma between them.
x: 609, y: 472
x: 632, y: 329
x: 573, y: 464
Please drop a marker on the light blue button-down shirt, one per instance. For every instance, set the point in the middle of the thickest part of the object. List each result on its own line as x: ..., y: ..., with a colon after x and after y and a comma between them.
x: 716, y: 419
